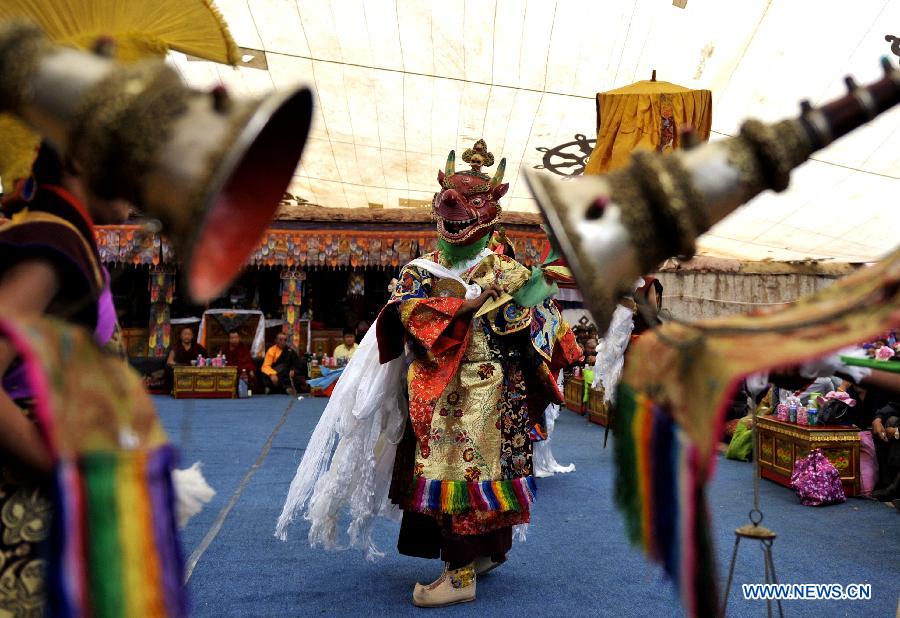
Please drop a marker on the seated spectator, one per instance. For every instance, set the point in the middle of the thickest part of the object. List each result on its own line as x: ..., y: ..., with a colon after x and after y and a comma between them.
x: 186, y: 350
x: 590, y: 351
x: 237, y: 354
x: 346, y: 350
x: 886, y: 433
x: 282, y: 369
x: 182, y: 353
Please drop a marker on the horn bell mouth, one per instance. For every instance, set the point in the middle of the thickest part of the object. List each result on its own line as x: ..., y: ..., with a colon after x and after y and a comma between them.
x: 601, y: 254
x: 246, y: 190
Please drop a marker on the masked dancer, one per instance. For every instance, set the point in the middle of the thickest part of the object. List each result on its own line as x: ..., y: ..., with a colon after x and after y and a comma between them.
x: 458, y: 371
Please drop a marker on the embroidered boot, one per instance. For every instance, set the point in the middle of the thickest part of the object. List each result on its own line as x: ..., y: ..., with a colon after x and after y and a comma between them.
x: 453, y: 586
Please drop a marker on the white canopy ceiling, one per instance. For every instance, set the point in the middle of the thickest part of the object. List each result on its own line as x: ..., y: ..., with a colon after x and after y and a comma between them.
x: 401, y: 82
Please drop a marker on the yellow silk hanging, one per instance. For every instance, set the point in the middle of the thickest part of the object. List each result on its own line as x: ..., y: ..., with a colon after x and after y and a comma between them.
x: 646, y: 114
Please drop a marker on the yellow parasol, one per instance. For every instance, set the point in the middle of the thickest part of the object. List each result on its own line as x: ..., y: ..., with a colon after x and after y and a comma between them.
x: 647, y: 114
x: 140, y: 28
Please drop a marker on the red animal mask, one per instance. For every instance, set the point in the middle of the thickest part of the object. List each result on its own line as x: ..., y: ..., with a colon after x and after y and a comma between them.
x: 466, y: 208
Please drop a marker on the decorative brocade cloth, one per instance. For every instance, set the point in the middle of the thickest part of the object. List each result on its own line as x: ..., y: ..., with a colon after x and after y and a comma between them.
x: 231, y: 321
x: 477, y: 386
x: 25, y: 509
x: 677, y: 385
x: 113, y: 547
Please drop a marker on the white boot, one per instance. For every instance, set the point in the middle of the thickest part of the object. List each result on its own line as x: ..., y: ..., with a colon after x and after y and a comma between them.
x: 452, y: 587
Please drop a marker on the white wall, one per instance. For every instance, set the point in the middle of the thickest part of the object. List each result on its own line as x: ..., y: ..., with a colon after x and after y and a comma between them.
x: 694, y: 294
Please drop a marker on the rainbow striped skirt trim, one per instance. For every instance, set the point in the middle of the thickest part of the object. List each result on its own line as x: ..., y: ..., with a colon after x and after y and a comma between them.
x: 455, y: 497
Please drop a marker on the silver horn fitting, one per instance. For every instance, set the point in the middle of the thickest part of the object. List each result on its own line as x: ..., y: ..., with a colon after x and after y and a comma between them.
x: 211, y: 168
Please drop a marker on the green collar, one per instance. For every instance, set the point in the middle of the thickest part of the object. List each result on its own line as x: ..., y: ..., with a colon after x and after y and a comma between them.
x: 454, y: 254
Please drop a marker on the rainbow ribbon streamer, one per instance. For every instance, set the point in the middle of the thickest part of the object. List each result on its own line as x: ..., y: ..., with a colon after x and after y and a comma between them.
x: 659, y: 490
x: 114, y: 545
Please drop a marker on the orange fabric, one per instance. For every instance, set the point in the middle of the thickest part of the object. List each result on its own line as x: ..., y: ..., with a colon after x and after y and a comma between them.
x: 272, y: 356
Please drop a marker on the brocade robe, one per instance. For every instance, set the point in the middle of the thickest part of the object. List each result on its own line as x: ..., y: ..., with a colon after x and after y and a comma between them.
x: 477, y: 385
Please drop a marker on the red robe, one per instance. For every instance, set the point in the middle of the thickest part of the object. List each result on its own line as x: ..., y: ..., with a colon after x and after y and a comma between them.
x: 241, y: 358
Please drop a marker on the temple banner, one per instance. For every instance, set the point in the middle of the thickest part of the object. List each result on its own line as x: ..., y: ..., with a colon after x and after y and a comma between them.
x: 129, y: 244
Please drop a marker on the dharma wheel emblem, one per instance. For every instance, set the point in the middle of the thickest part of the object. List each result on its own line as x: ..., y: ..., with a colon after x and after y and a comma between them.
x: 567, y: 160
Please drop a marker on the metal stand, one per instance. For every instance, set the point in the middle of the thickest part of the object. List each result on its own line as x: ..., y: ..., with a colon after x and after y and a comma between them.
x: 754, y: 531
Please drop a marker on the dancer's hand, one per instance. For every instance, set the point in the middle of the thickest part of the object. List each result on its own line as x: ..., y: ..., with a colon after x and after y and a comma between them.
x: 492, y: 292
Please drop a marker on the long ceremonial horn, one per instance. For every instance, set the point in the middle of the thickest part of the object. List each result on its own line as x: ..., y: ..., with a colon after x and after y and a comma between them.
x: 450, y: 168
x: 210, y: 168
x: 614, y: 228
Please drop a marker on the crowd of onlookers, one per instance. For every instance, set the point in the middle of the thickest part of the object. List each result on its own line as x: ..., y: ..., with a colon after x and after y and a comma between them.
x: 283, y: 369
x: 872, y: 405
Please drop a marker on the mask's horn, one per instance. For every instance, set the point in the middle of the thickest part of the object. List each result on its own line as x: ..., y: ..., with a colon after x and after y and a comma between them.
x: 213, y: 170
x: 612, y: 229
x: 450, y: 168
x: 498, y: 175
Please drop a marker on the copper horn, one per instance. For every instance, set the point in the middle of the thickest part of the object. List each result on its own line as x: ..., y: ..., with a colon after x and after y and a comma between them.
x: 211, y: 168
x: 614, y: 228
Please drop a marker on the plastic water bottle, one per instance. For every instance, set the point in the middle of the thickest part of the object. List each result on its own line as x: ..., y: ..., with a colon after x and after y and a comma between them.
x: 243, y: 385
x: 792, y: 412
x: 812, y: 411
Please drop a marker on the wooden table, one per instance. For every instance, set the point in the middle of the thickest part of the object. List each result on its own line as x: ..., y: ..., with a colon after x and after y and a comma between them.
x: 204, y: 382
x: 573, y: 393
x: 780, y: 444
x: 597, y: 408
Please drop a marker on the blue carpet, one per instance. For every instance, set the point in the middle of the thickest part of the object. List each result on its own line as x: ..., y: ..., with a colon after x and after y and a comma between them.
x: 576, y: 561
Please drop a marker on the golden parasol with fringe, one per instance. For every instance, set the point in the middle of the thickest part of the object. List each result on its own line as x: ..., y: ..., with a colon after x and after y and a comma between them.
x: 646, y: 114
x: 140, y: 28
